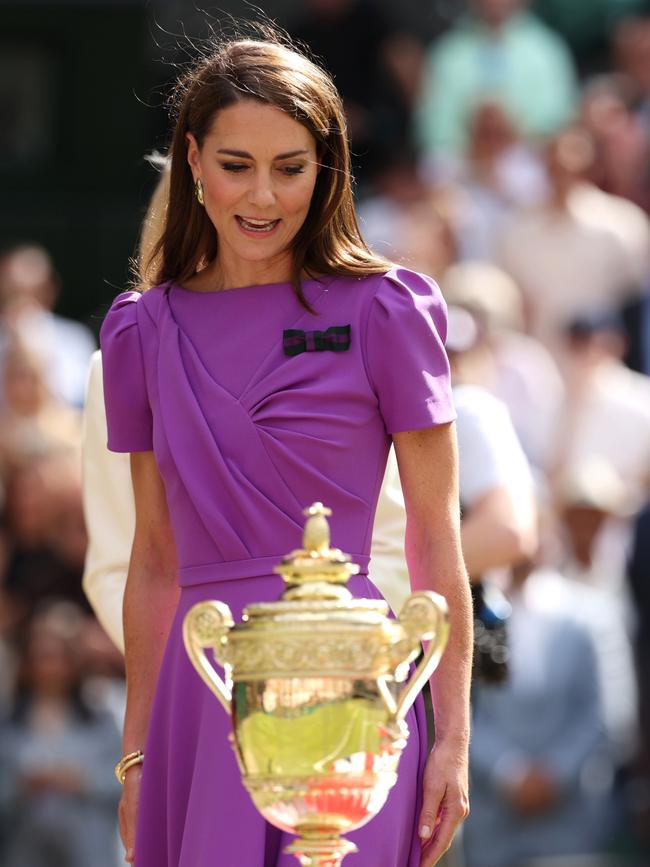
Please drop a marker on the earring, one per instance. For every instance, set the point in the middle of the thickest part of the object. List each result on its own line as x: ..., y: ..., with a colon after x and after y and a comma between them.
x: 198, y: 191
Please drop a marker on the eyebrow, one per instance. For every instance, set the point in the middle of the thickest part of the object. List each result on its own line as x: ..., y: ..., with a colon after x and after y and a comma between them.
x: 248, y: 156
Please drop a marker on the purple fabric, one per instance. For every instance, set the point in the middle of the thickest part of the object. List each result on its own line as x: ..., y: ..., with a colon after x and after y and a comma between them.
x: 245, y: 437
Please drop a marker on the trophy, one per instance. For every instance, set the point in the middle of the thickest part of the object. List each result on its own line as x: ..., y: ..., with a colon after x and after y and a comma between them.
x: 317, y: 685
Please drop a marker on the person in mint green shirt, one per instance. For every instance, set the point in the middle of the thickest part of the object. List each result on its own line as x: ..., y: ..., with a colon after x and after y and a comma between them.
x: 497, y: 52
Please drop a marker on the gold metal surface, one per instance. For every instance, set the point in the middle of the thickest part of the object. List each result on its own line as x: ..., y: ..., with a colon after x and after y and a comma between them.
x: 317, y: 688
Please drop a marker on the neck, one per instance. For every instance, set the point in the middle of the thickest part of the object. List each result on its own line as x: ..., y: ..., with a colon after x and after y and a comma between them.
x: 229, y: 273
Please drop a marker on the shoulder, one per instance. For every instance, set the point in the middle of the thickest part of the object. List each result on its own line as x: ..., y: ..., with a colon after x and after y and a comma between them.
x: 452, y: 46
x: 402, y: 288
x: 127, y: 307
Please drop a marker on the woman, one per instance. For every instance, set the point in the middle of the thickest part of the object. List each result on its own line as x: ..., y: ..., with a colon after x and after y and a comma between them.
x: 237, y: 411
x: 56, y: 787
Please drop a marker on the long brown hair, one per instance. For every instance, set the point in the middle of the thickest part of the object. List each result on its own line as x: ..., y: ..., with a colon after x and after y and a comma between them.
x: 274, y: 73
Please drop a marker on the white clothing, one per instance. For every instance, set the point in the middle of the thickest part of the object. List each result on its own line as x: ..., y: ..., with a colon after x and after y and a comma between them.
x: 109, y: 511
x: 565, y: 268
x: 624, y: 219
x: 610, y: 422
x: 65, y: 348
x: 489, y: 457
x: 528, y: 381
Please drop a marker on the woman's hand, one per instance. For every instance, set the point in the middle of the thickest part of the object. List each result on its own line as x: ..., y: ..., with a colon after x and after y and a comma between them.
x: 445, y: 800
x: 128, y: 811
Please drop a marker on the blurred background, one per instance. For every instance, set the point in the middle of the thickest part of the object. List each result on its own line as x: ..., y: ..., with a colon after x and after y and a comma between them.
x: 501, y: 146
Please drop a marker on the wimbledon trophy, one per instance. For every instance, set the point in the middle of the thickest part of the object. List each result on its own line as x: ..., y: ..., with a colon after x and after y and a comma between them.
x: 317, y: 688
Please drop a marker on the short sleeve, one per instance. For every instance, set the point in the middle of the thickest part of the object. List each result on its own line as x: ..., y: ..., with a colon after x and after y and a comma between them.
x: 405, y: 352
x: 128, y: 413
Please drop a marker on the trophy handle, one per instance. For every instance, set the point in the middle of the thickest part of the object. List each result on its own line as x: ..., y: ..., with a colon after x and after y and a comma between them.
x: 424, y: 617
x: 206, y: 624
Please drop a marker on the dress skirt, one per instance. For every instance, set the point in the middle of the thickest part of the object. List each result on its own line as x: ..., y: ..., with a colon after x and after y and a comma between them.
x: 194, y: 810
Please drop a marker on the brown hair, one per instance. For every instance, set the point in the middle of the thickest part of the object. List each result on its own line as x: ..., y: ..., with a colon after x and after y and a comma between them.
x: 267, y: 70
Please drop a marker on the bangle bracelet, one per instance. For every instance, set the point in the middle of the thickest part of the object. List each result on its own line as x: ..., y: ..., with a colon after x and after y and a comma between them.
x: 126, y: 762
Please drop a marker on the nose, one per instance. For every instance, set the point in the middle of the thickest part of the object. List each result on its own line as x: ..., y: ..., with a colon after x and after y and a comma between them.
x: 261, y: 193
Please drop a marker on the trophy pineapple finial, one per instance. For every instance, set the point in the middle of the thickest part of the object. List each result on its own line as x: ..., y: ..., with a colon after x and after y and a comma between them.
x: 316, y: 571
x: 316, y: 535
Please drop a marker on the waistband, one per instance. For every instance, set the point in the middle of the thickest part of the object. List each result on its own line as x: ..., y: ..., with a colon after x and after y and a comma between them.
x: 254, y: 567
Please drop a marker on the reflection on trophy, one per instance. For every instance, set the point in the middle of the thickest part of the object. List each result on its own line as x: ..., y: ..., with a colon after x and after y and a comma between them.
x: 317, y: 686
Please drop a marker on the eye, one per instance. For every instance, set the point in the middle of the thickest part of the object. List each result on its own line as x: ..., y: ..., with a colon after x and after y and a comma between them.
x: 234, y: 167
x: 292, y: 170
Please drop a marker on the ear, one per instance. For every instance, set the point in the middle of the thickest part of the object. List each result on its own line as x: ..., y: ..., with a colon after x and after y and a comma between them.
x: 193, y: 154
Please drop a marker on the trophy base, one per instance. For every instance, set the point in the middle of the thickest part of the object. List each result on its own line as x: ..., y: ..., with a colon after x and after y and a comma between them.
x: 324, y: 852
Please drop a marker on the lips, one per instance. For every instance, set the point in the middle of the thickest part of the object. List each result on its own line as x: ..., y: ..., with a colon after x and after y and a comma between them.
x: 259, y: 226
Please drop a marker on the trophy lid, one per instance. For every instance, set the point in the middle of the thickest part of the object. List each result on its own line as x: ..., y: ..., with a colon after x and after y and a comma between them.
x: 316, y: 571
x: 317, y: 627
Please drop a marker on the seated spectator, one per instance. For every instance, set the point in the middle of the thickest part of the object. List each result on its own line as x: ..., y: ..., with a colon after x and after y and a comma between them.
x: 621, y: 133
x: 496, y: 177
x: 567, y: 265
x: 498, y: 51
x: 32, y: 419
x: 57, y: 787
x: 46, y: 533
x: 541, y: 765
x: 607, y: 410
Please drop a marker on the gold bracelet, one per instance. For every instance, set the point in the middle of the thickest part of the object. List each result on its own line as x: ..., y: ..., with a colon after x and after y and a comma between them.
x: 126, y: 762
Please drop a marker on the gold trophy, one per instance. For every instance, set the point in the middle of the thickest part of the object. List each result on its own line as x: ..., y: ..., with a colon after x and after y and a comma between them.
x: 317, y: 688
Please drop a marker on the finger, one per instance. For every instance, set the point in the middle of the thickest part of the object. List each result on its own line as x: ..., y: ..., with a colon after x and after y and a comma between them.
x: 442, y: 837
x: 129, y: 857
x: 122, y: 823
x: 430, y: 815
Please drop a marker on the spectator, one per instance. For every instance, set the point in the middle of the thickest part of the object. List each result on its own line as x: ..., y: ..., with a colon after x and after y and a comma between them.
x: 621, y: 135
x: 29, y: 287
x: 56, y: 782
x: 541, y: 765
x: 32, y: 419
x: 606, y: 417
x: 46, y: 532
x: 516, y: 367
x: 632, y: 55
x: 567, y: 266
x: 502, y: 53
x: 497, y: 176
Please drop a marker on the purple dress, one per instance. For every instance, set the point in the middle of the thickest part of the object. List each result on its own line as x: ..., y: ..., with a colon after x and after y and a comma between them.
x: 249, y: 425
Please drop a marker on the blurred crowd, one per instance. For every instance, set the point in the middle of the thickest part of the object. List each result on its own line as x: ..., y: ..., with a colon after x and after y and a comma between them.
x: 61, y: 679
x: 498, y: 161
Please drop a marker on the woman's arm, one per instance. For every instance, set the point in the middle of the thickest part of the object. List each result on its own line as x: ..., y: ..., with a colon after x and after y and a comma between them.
x: 427, y: 462
x: 150, y: 601
x: 500, y: 529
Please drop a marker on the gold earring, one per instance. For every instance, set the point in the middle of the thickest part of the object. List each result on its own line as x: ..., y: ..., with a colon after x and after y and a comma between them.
x: 198, y: 191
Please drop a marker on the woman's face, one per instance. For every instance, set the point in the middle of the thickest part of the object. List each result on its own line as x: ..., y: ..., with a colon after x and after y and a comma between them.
x: 258, y: 170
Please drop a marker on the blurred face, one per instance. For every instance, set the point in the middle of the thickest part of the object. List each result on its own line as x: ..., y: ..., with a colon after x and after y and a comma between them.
x: 25, y: 390
x: 258, y: 170
x: 51, y: 668
x: 495, y: 12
